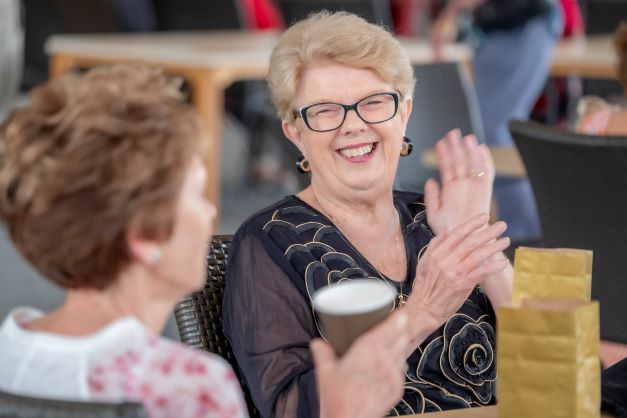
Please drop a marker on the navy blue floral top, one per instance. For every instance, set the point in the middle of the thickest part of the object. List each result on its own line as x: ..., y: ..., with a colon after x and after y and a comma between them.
x: 281, y: 256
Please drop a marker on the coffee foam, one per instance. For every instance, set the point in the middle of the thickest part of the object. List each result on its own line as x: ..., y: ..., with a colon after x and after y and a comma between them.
x: 353, y: 297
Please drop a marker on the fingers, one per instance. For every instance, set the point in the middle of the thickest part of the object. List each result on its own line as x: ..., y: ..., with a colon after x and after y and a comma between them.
x: 487, y: 269
x: 432, y: 197
x: 476, y: 163
x: 323, y: 355
x: 460, y: 157
x: 476, y: 240
x: 482, y: 255
x: 443, y: 247
x: 456, y: 149
x: 445, y: 161
x: 486, y: 160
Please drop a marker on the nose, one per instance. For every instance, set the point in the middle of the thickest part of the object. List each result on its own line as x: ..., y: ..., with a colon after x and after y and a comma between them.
x: 353, y: 123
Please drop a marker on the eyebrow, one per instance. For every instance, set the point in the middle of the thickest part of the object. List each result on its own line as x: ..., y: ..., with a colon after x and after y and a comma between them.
x: 321, y: 101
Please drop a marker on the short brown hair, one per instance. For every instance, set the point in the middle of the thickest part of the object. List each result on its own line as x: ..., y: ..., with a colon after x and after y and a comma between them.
x: 89, y: 157
x: 620, y: 41
x: 340, y: 37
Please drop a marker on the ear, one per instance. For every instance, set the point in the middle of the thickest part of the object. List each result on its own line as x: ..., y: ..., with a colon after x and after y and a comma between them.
x: 141, y: 250
x: 291, y: 131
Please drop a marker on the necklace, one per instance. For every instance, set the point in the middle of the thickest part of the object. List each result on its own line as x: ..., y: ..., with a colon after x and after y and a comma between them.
x: 401, y: 298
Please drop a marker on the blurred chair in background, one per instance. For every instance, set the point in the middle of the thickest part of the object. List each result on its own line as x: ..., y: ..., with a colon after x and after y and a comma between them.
x: 186, y: 15
x: 603, y: 16
x: 580, y: 188
x: 199, y: 315
x: 444, y: 99
x: 11, y: 50
x: 375, y: 11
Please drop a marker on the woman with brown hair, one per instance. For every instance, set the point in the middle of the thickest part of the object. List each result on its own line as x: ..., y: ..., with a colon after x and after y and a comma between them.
x: 102, y: 190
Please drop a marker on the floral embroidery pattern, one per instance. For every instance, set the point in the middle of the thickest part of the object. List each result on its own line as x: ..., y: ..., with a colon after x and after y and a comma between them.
x: 454, y: 368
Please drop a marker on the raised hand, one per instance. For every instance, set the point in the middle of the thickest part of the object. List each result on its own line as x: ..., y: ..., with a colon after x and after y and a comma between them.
x: 452, y: 265
x: 368, y: 380
x: 467, y: 174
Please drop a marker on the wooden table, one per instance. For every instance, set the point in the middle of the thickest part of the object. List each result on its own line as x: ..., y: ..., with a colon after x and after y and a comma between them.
x: 209, y: 62
x: 593, y: 57
x: 507, y: 162
x: 485, y: 412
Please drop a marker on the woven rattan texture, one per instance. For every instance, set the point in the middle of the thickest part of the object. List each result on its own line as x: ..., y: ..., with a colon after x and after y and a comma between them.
x: 580, y: 186
x: 16, y: 406
x: 199, y: 316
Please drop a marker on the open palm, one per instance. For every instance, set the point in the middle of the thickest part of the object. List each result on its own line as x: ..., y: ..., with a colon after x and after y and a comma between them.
x: 467, y: 175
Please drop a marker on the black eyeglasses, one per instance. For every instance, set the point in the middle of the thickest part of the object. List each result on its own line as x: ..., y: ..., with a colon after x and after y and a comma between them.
x: 325, y: 117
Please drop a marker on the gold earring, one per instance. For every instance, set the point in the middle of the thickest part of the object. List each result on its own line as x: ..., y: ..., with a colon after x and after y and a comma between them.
x: 406, y: 147
x: 302, y: 165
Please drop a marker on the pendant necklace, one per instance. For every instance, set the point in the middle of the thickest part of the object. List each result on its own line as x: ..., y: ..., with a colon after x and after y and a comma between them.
x: 401, y: 298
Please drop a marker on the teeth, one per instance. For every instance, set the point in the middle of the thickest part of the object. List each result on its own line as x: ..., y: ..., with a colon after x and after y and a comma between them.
x: 357, y: 152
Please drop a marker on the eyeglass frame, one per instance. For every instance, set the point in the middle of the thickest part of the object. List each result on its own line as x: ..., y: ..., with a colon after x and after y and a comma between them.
x: 302, y: 111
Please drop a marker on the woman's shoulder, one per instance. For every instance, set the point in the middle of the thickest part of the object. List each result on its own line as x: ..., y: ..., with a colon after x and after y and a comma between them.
x: 290, y: 212
x: 170, y: 379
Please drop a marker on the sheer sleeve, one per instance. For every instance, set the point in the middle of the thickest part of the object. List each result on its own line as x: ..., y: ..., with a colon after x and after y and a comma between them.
x: 269, y: 324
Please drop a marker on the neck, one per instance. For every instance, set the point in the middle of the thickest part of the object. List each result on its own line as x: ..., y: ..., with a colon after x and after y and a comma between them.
x: 134, y: 293
x: 359, y: 207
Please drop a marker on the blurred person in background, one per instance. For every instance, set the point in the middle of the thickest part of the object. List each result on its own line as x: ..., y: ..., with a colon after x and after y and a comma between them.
x: 513, y: 42
x: 102, y: 190
x: 595, y: 115
x: 11, y: 51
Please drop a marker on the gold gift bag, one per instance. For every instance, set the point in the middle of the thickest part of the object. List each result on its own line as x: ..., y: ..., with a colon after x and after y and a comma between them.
x: 552, y: 273
x: 548, y: 359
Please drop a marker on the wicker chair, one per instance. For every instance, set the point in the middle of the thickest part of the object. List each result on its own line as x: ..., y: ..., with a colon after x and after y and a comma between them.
x: 199, y: 316
x: 17, y: 406
x: 580, y: 186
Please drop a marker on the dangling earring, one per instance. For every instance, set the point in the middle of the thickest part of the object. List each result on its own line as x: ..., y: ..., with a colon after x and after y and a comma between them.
x: 406, y: 147
x: 302, y: 165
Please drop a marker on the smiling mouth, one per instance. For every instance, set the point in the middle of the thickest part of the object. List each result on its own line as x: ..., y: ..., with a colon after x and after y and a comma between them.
x: 357, y: 152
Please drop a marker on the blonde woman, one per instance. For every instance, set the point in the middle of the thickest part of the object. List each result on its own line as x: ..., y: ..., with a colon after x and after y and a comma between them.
x: 343, y: 88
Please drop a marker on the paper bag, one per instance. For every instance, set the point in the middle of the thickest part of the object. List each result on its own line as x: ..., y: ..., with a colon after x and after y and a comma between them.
x: 548, y: 359
x: 552, y: 273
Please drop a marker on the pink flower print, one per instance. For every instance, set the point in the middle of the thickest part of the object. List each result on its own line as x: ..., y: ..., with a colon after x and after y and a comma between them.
x: 99, y: 370
x: 229, y: 375
x: 161, y: 402
x: 132, y: 357
x: 166, y: 366
x: 153, y: 340
x: 120, y: 363
x: 95, y: 385
x: 145, y: 390
x: 206, y: 401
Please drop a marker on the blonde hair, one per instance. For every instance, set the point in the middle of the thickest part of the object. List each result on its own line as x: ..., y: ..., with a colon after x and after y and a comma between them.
x: 91, y: 156
x: 340, y: 37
